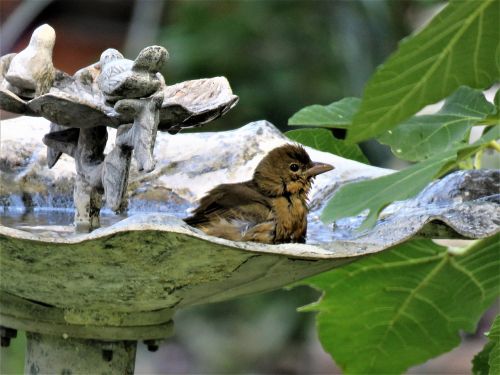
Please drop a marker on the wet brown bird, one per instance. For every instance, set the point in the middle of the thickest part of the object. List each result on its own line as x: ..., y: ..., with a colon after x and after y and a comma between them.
x: 270, y: 208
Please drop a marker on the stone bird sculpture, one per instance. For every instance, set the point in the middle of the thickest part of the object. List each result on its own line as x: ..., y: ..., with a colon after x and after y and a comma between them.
x: 123, y: 78
x: 270, y: 208
x: 31, y: 72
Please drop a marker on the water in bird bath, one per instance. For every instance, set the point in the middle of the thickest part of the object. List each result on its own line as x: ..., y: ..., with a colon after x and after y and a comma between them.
x: 59, y: 220
x: 47, y: 220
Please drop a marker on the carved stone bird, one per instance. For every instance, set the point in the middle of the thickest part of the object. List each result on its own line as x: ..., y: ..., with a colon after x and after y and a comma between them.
x: 270, y: 208
x: 31, y: 72
x: 123, y: 78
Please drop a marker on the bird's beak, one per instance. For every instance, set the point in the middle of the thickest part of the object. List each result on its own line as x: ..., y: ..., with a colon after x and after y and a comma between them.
x: 318, y: 168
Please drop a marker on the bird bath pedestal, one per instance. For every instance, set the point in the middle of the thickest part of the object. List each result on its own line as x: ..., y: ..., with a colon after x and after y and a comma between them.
x: 51, y: 354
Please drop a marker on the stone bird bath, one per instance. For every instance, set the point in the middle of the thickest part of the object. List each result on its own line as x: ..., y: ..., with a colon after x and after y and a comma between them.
x: 85, y: 299
x: 103, y: 291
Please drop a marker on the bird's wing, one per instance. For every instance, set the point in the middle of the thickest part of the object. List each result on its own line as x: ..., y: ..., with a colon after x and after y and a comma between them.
x: 231, y: 201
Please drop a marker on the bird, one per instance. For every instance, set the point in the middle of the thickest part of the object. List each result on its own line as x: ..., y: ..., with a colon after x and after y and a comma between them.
x: 270, y: 208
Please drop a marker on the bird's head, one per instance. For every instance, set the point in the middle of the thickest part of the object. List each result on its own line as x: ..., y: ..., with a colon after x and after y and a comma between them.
x: 287, y: 170
x: 109, y: 55
x: 43, y: 37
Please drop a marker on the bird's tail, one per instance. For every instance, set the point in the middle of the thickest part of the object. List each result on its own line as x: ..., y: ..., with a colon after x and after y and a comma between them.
x: 233, y: 230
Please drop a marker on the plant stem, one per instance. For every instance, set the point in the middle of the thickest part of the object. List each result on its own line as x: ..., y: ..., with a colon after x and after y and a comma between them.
x: 477, y: 158
x: 489, y: 121
x: 464, y: 164
x: 494, y: 145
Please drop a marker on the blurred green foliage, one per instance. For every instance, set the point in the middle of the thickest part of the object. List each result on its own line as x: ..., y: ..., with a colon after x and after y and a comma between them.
x: 12, y: 357
x: 280, y: 56
x: 254, y: 334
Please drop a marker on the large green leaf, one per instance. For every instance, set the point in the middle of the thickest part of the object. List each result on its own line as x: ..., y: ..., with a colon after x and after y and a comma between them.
x: 374, y: 195
x: 460, y: 46
x: 423, y: 136
x: 353, y: 198
x: 336, y: 115
x: 487, y: 361
x: 323, y: 140
x: 402, y: 307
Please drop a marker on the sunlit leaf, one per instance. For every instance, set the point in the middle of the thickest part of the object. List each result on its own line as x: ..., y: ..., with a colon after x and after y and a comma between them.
x: 323, y: 140
x: 399, y: 308
x: 424, y: 136
x: 353, y: 198
x: 460, y: 46
x: 336, y: 115
x: 375, y: 194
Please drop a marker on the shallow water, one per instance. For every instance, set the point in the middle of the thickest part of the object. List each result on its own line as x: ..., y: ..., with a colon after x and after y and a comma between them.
x: 17, y: 218
x: 60, y: 221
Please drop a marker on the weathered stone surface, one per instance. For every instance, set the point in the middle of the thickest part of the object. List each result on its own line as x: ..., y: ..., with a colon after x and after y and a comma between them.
x: 141, y: 136
x: 13, y: 103
x: 193, y: 103
x: 67, y: 109
x: 50, y: 354
x: 144, y: 263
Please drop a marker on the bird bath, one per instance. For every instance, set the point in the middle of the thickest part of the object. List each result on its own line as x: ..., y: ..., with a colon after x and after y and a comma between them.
x: 121, y: 283
x: 85, y: 299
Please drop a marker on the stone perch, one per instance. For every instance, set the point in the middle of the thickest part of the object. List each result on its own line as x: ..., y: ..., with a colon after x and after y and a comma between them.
x: 115, y: 92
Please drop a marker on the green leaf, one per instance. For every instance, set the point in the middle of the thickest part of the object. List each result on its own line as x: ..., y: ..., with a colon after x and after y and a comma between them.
x: 421, y: 137
x: 399, y: 308
x: 336, y: 115
x: 375, y: 194
x: 480, y: 365
x: 323, y: 140
x: 460, y: 46
x: 494, y: 336
x: 487, y: 361
x: 494, y: 119
x: 353, y: 198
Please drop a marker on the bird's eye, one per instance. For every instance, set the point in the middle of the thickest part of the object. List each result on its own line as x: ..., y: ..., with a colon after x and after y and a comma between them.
x: 294, y: 167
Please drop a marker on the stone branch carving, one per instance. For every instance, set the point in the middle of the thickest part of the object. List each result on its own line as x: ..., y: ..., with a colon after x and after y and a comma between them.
x: 130, y: 95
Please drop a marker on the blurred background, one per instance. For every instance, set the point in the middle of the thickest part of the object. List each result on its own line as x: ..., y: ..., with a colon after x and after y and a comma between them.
x: 279, y: 56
